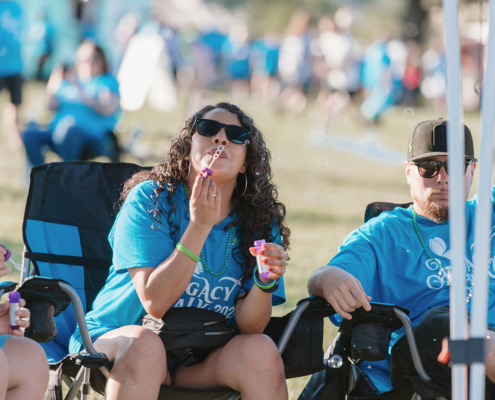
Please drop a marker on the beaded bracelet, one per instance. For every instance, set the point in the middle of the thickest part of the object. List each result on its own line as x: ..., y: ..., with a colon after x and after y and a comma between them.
x: 267, y: 288
x: 187, y: 252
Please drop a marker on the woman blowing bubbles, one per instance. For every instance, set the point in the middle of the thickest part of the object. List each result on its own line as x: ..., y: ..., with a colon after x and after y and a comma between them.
x: 217, y: 221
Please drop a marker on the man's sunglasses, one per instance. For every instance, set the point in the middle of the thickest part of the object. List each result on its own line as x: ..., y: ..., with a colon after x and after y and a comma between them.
x: 209, y: 128
x: 430, y: 169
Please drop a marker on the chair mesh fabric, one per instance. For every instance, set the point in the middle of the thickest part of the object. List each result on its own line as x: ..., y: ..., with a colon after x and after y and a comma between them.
x: 70, y: 211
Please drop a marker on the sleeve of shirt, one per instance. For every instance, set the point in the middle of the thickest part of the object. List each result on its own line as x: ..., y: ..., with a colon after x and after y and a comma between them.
x: 278, y: 296
x: 111, y: 83
x: 357, y: 257
x: 136, y: 241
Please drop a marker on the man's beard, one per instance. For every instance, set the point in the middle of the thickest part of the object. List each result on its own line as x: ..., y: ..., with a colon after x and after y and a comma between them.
x: 433, y: 211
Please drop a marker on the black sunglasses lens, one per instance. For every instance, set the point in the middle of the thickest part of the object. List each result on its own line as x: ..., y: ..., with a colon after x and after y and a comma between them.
x: 237, y: 134
x: 208, y: 127
x: 428, y: 169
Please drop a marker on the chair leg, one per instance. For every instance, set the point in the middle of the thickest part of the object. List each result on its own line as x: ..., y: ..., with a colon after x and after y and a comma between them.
x: 68, y: 381
x: 86, y: 385
x: 74, y: 389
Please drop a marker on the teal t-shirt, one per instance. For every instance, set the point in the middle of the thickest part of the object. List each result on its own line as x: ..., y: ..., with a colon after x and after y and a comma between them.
x: 135, y: 244
x: 71, y: 105
x: 10, y: 36
x: 387, y: 257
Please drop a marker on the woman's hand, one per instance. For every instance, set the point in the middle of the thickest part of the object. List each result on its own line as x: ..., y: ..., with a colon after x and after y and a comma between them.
x: 204, y: 204
x: 4, y: 270
x: 276, y: 259
x: 5, y: 320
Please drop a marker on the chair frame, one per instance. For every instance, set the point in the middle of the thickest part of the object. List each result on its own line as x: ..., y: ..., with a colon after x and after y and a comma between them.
x: 81, y: 382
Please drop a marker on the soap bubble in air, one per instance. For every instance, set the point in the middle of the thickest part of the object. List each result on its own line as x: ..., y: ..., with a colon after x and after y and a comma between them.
x: 318, y: 133
x: 409, y: 113
x: 301, y: 135
x: 314, y: 124
x: 122, y: 126
x: 335, y: 361
x: 314, y: 117
x: 323, y: 162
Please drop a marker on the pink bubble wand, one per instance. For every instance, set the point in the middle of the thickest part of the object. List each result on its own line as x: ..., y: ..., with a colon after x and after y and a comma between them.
x: 206, y: 172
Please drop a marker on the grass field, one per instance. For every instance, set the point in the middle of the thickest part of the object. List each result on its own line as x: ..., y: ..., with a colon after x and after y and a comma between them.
x: 325, y: 190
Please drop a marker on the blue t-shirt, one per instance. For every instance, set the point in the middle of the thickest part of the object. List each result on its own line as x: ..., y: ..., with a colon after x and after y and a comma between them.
x: 264, y: 56
x: 385, y: 254
x: 236, y: 59
x: 83, y: 116
x: 10, y: 36
x: 135, y: 244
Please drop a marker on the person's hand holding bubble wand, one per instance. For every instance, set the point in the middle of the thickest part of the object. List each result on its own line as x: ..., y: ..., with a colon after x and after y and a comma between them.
x: 5, y: 255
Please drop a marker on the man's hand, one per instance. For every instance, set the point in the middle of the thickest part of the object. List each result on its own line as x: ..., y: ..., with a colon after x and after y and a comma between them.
x: 5, y: 321
x: 344, y: 292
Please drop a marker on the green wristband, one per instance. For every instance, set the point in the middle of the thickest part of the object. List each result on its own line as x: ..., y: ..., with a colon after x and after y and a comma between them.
x: 269, y: 287
x: 187, y: 252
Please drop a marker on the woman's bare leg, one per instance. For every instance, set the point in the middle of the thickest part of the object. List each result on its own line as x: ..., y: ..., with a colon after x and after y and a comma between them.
x: 140, y: 363
x: 250, y: 364
x: 28, y: 369
x: 4, y: 375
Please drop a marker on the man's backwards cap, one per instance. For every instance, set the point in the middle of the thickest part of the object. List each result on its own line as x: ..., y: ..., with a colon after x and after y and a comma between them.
x: 429, y: 139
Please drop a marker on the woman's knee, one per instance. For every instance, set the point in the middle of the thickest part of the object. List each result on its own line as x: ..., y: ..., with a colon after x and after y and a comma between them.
x: 26, y: 358
x: 142, y: 353
x: 259, y: 353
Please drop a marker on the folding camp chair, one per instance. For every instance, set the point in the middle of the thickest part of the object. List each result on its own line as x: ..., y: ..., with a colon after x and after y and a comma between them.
x: 350, y: 381
x: 69, y: 213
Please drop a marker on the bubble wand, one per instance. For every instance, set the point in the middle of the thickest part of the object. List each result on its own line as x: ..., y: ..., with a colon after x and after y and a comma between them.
x: 207, y: 170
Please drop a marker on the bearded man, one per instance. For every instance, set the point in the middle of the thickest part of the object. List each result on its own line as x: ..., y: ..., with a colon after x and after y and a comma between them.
x: 403, y: 257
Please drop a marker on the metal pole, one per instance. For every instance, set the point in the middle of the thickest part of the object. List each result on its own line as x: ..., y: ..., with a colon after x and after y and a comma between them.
x: 455, y: 143
x: 26, y: 264
x: 479, y: 305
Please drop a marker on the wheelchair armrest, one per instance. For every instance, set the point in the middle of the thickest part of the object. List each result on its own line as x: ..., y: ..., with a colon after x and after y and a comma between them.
x: 371, y: 330
x: 6, y: 287
x: 380, y: 314
x: 317, y: 306
x: 392, y: 317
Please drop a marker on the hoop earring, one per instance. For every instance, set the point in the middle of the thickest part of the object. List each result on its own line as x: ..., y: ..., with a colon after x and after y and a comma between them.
x: 245, y: 187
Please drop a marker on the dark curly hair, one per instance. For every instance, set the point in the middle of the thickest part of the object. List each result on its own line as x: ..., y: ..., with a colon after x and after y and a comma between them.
x: 258, y: 210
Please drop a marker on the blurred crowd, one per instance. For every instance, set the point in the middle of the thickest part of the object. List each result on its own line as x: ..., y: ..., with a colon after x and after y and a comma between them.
x: 312, y: 59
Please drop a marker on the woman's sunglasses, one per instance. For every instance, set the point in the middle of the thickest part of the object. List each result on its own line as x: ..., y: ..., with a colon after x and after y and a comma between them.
x: 209, y: 128
x: 430, y: 169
